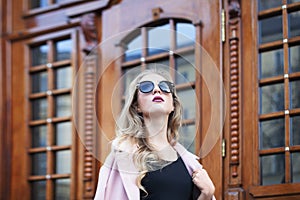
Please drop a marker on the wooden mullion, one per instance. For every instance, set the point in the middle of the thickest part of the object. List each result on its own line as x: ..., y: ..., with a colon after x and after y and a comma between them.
x: 172, y: 48
x: 145, y: 46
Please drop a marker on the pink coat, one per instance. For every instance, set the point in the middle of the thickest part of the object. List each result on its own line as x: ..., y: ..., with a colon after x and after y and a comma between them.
x: 117, y: 177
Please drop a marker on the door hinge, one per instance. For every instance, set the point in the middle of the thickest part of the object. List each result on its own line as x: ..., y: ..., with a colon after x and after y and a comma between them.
x: 223, y: 148
x: 223, y: 25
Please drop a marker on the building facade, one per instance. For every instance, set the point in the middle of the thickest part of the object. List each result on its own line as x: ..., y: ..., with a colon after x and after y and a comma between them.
x: 66, y: 65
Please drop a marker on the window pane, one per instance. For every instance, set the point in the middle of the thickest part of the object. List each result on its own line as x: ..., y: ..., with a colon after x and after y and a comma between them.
x: 39, y: 136
x: 39, y: 109
x: 270, y: 29
x: 63, y: 162
x: 162, y: 64
x: 39, y: 82
x: 185, y: 68
x: 267, y: 4
x: 294, y: 24
x: 159, y: 39
x: 272, y: 98
x: 295, y: 94
x: 271, y: 63
x: 187, y: 136
x: 63, y: 50
x: 39, y: 55
x: 38, y: 4
x: 295, y: 131
x: 293, y: 1
x: 63, y: 105
x: 134, y: 47
x: 185, y: 34
x: 187, y: 98
x: 39, y: 164
x: 295, y: 167
x: 272, y: 133
x: 63, y: 77
x: 272, y: 169
x: 62, y: 189
x: 294, y: 59
x: 38, y: 190
x: 129, y: 74
x: 63, y: 133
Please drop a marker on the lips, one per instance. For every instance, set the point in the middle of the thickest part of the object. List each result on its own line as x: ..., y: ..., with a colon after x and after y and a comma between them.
x: 158, y: 99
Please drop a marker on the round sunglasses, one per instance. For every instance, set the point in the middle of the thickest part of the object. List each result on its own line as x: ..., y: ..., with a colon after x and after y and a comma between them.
x: 148, y: 86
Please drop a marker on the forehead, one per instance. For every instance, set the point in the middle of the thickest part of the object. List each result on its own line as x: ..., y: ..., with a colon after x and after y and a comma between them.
x: 153, y: 77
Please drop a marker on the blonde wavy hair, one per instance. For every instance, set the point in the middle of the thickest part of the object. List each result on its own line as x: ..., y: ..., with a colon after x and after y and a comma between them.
x: 130, y: 127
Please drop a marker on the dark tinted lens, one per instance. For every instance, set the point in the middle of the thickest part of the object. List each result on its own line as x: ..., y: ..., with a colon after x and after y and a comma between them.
x: 146, y: 86
x: 165, y: 86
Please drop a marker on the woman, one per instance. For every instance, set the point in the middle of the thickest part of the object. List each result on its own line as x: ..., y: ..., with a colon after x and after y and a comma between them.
x: 146, y: 161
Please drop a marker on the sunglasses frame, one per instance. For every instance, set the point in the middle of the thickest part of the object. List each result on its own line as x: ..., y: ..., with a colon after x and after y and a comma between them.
x: 170, y: 85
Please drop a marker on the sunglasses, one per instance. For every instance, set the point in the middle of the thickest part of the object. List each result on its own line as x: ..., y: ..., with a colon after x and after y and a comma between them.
x: 148, y: 86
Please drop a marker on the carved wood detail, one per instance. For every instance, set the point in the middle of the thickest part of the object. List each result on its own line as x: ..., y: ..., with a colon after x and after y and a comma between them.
x: 89, y: 171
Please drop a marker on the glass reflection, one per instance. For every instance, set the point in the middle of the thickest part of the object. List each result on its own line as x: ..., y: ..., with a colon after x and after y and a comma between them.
x: 63, y: 105
x: 38, y: 164
x: 185, y: 68
x: 267, y: 4
x: 292, y: 1
x: 187, y: 134
x: 62, y: 189
x: 39, y: 108
x: 272, y: 98
x: 159, y: 39
x: 185, y: 34
x: 295, y: 157
x: 162, y: 64
x: 295, y: 94
x: 294, y: 59
x: 295, y: 131
x: 63, y: 133
x: 38, y: 190
x: 63, y: 162
x: 272, y: 133
x: 39, y: 82
x: 294, y: 24
x: 39, y: 55
x: 134, y: 46
x: 63, y: 50
x: 63, y: 77
x: 272, y: 169
x: 187, y: 98
x: 39, y: 136
x: 271, y: 63
x: 129, y: 74
x: 270, y: 29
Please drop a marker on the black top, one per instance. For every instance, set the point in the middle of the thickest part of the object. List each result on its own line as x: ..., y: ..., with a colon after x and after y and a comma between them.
x: 172, y: 182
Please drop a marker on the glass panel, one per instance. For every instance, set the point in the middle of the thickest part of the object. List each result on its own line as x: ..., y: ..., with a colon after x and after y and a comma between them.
x: 62, y: 189
x: 38, y: 4
x: 162, y: 64
x: 38, y: 163
x: 63, y: 133
x: 185, y: 34
x: 272, y: 133
x: 159, y: 39
x: 272, y: 169
x: 39, y: 109
x: 292, y: 1
x: 295, y: 94
x: 271, y: 63
x: 294, y: 59
x: 187, y: 98
x: 63, y: 105
x: 39, y: 55
x: 63, y: 162
x: 270, y: 29
x: 134, y: 47
x: 295, y: 167
x: 39, y: 136
x: 295, y: 131
x: 38, y: 190
x: 129, y: 74
x: 294, y: 24
x: 185, y: 69
x: 267, y: 4
x: 63, y: 77
x: 187, y: 134
x: 63, y: 50
x: 272, y: 98
x: 39, y: 82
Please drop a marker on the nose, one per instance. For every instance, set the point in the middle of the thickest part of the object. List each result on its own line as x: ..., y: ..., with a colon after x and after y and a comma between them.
x: 156, y: 89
